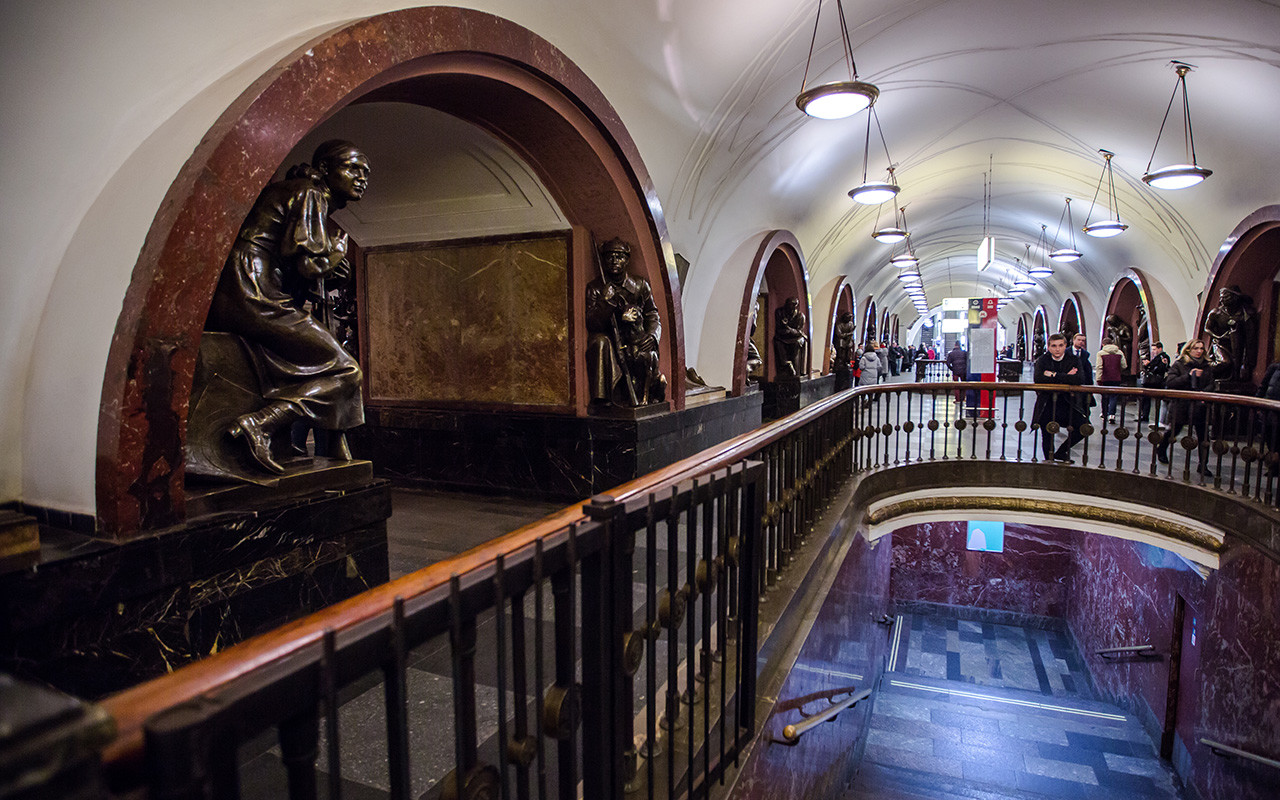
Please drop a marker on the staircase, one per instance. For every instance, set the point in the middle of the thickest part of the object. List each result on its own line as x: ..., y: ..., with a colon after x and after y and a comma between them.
x: 934, y: 739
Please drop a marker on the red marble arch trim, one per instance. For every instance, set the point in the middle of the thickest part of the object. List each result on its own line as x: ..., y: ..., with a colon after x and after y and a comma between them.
x: 552, y: 113
x: 775, y: 242
x: 1140, y: 282
x: 1041, y: 318
x: 869, y: 315
x: 841, y: 300
x: 1262, y: 221
x: 1074, y: 305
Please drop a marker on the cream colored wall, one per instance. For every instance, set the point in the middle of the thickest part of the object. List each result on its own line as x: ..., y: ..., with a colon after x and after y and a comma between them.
x: 104, y: 102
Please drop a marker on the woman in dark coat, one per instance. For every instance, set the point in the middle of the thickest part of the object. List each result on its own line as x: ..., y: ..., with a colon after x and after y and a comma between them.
x: 1190, y: 372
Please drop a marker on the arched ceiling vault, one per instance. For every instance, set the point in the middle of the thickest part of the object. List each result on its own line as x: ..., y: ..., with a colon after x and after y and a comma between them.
x: 1028, y: 92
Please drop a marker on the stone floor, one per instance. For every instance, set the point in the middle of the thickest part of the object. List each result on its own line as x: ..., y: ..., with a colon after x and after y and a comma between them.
x: 988, y: 654
x: 975, y: 710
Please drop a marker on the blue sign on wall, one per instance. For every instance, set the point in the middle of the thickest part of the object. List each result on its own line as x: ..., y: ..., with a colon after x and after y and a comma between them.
x: 986, y: 536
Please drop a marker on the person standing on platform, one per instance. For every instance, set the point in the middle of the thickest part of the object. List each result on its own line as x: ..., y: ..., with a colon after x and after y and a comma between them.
x: 1154, y: 370
x: 1191, y: 372
x: 958, y: 364
x: 1108, y: 372
x: 1078, y: 344
x: 1064, y: 408
x: 883, y: 352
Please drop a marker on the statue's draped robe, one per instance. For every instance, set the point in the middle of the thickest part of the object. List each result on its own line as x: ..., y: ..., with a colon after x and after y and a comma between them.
x: 297, y: 360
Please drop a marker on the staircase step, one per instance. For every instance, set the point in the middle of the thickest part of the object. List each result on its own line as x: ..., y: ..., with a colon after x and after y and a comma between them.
x: 883, y: 782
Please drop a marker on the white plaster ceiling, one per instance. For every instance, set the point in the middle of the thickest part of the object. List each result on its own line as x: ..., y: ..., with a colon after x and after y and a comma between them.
x: 1034, y: 89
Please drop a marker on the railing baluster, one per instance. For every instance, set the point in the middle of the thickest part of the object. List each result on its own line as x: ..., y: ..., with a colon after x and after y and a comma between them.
x: 500, y: 635
x: 539, y: 680
x: 299, y: 749
x: 396, y: 704
x: 462, y: 652
x: 521, y: 745
x: 675, y: 611
x: 722, y: 605
x: 565, y: 604
x: 691, y: 643
x: 651, y: 750
x: 329, y: 689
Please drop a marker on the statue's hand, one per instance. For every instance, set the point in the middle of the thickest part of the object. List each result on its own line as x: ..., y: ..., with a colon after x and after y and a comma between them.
x: 338, y: 248
x: 647, y: 344
x: 341, y: 271
x: 632, y: 314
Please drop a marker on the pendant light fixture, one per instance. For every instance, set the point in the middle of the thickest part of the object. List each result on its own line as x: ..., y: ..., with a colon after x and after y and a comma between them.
x: 874, y: 192
x: 1111, y: 226
x: 906, y: 259
x: 1022, y: 277
x: 1177, y: 176
x: 1065, y: 255
x: 1041, y: 270
x: 838, y: 99
x: 892, y: 234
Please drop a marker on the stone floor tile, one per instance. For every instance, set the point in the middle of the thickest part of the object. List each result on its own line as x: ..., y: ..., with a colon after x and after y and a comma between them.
x: 1064, y: 770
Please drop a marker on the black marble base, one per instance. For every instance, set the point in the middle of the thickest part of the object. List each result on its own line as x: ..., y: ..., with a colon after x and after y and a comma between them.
x: 844, y: 378
x: 787, y: 395
x: 542, y: 455
x: 93, y: 617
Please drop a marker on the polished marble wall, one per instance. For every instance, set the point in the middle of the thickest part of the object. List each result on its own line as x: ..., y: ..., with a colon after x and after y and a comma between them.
x: 845, y: 648
x: 1115, y: 593
x: 1125, y: 594
x: 1032, y: 576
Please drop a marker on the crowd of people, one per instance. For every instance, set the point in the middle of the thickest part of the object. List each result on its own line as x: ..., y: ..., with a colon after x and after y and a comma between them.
x: 1068, y: 361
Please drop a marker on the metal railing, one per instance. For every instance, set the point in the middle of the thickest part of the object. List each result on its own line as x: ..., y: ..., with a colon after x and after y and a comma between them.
x: 664, y: 573
x: 1142, y: 650
x: 791, y: 733
x: 1227, y: 751
x: 1235, y: 440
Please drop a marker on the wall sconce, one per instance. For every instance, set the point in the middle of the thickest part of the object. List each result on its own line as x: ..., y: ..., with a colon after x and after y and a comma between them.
x: 1177, y: 176
x: 838, y: 99
x: 1111, y: 226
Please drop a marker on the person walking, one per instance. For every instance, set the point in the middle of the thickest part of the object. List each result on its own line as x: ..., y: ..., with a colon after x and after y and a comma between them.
x: 1064, y: 408
x: 1154, y: 370
x: 1190, y: 372
x: 1108, y: 372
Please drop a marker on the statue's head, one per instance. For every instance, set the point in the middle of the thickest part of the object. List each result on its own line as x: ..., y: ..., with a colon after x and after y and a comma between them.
x: 345, y: 169
x: 792, y: 305
x: 1231, y: 296
x: 615, y: 254
x: 846, y: 316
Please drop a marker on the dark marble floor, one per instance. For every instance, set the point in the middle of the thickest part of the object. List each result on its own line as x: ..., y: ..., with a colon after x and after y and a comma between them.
x: 430, y: 526
x: 975, y: 710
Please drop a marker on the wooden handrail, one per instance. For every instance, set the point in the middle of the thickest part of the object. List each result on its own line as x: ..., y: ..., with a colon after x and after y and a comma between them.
x: 132, y: 707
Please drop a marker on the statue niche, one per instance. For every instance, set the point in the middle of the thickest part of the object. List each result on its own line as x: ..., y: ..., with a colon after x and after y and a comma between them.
x: 789, y: 338
x: 1121, y: 333
x: 1232, y: 330
x: 269, y: 361
x: 842, y: 342
x: 624, y: 330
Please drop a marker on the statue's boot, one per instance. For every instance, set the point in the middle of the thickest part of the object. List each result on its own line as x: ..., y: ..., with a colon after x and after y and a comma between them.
x: 256, y: 429
x: 338, y: 449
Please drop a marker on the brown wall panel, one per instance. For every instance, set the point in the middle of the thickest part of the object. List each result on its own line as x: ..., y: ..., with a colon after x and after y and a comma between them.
x: 478, y: 322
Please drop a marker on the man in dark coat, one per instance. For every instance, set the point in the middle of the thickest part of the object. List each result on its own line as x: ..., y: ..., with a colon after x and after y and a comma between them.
x: 1154, y: 370
x: 1064, y: 408
x: 1078, y: 344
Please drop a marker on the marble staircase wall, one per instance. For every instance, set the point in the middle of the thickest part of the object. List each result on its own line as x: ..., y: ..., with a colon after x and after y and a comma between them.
x: 1125, y: 593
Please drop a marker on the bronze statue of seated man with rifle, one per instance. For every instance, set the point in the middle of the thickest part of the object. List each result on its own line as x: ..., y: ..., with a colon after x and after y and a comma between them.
x: 624, y: 330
